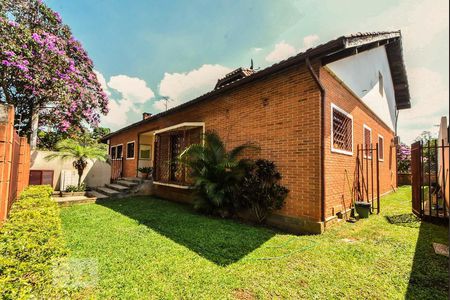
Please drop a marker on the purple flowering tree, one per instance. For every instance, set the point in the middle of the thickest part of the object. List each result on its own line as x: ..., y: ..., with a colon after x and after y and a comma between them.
x: 45, y: 72
x: 403, y: 159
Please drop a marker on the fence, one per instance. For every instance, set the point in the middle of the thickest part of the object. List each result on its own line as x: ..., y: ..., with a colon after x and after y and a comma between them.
x: 430, y: 171
x: 14, y: 161
x: 367, y: 176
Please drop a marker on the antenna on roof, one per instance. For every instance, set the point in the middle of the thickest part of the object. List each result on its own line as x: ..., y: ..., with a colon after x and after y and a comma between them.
x: 166, y: 100
x: 251, y: 64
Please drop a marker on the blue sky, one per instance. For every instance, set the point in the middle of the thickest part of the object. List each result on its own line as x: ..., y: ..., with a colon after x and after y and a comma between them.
x: 143, y: 49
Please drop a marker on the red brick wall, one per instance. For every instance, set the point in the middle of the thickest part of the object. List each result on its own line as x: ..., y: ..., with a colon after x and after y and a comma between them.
x: 281, y: 113
x: 336, y: 187
x: 7, y: 161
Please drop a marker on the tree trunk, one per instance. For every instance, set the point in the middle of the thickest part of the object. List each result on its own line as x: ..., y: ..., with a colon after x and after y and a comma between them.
x: 80, y: 174
x: 34, y: 128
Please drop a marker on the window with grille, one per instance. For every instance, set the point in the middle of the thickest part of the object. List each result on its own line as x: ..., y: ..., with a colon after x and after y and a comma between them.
x: 380, y: 148
x: 119, y: 152
x: 130, y: 150
x: 367, y: 138
x: 342, y: 131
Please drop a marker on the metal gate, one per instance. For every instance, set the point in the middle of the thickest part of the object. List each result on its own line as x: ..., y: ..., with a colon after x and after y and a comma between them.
x: 430, y: 171
x: 116, y: 168
x: 367, y: 176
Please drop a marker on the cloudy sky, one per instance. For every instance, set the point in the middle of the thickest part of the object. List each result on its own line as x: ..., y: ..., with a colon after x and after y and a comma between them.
x: 145, y: 49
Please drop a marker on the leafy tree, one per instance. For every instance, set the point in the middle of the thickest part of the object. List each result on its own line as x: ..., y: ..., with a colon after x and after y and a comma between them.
x: 80, y: 153
x: 45, y: 72
x: 429, y: 153
x: 260, y: 189
x: 49, y: 138
x: 216, y: 173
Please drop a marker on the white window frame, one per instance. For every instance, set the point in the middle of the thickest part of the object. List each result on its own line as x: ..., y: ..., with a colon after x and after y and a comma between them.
x: 364, y: 141
x: 134, y: 151
x: 380, y: 149
x: 110, y: 151
x: 119, y: 158
x: 335, y: 107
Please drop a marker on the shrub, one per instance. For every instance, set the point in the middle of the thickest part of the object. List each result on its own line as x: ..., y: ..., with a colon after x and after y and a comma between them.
x: 260, y: 190
x: 30, y: 242
x: 74, y: 188
x: 216, y: 173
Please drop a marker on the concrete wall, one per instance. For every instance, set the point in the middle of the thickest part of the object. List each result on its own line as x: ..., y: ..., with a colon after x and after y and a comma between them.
x: 361, y: 74
x: 97, y: 173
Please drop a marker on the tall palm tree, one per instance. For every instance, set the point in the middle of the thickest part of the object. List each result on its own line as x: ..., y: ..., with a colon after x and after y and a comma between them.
x: 216, y: 173
x: 80, y: 153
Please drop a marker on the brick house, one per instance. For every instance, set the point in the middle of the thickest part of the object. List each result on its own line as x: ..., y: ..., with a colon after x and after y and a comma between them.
x: 307, y: 113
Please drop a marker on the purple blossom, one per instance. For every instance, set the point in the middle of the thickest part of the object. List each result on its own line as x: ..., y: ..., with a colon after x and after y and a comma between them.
x: 13, y: 24
x: 10, y: 53
x: 22, y: 67
x: 6, y: 63
x: 37, y: 38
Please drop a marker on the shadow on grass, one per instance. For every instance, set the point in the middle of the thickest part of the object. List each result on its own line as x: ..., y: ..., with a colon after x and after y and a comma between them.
x: 220, y: 241
x: 405, y: 220
x: 429, y: 273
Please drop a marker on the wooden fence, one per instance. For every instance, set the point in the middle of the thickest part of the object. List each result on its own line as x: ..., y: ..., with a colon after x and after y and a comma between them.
x: 14, y: 161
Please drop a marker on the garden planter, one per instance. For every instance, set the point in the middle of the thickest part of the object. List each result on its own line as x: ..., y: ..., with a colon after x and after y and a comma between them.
x: 78, y: 193
x: 363, y: 209
x: 66, y: 194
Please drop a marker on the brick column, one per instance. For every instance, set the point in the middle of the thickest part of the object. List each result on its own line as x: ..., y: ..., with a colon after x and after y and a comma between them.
x: 6, y: 144
x: 24, y: 165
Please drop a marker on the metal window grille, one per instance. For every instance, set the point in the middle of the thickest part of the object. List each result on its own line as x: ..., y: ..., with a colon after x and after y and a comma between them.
x: 342, y: 131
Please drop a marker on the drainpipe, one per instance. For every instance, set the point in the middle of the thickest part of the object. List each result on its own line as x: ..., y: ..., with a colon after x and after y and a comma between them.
x: 322, y: 137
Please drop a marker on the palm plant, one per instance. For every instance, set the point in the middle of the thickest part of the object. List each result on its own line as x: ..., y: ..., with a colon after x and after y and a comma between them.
x: 80, y: 153
x: 216, y: 173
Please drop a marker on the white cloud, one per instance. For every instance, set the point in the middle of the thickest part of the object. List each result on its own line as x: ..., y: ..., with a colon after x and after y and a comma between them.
x: 133, y: 93
x: 420, y: 21
x: 181, y: 87
x: 101, y: 79
x: 282, y: 51
x: 257, y: 49
x: 117, y: 116
x: 429, y: 101
x: 310, y: 41
x: 131, y: 88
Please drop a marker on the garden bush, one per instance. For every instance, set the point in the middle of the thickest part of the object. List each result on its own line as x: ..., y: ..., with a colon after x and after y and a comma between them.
x: 260, y: 190
x: 30, y: 243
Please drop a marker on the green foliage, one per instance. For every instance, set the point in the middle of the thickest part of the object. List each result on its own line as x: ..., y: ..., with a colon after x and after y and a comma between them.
x: 30, y: 243
x: 260, y: 190
x: 146, y: 170
x: 74, y: 188
x: 216, y: 173
x: 80, y: 153
x: 48, y: 139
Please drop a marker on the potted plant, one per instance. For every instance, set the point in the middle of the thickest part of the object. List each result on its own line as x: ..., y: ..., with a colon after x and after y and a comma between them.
x: 146, y: 172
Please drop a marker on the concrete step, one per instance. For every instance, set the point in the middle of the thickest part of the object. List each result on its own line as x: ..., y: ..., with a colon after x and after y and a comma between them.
x: 107, y: 191
x: 132, y: 179
x: 117, y: 187
x: 126, y: 183
x: 67, y: 201
x: 97, y: 195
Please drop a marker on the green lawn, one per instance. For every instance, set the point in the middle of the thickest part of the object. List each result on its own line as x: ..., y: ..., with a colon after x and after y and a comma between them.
x: 150, y: 248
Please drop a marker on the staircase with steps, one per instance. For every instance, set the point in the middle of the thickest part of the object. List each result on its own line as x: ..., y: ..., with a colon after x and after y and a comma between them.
x: 122, y: 187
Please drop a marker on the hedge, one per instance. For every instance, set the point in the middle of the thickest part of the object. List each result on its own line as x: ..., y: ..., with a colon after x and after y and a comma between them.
x: 30, y: 243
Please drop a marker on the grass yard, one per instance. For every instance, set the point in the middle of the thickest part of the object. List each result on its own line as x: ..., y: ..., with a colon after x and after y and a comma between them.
x: 150, y: 248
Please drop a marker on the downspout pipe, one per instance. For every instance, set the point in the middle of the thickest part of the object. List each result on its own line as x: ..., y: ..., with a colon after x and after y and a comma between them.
x: 322, y: 137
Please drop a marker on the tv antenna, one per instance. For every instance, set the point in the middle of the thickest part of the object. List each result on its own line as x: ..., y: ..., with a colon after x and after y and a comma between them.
x: 166, y: 100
